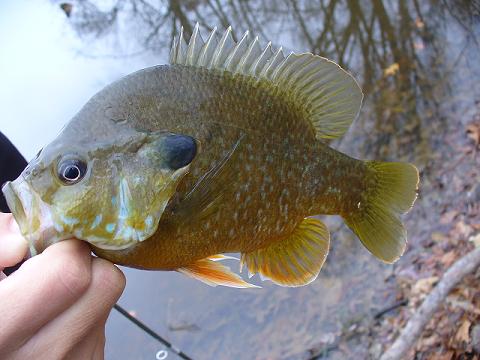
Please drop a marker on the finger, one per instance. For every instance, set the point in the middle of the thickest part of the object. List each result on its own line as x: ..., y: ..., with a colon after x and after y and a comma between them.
x: 43, y: 287
x: 13, y: 247
x: 91, y: 347
x: 85, y: 315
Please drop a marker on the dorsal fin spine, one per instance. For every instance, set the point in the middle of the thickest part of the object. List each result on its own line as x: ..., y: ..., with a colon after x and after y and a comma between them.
x: 202, y: 58
x: 253, y: 69
x: 280, y: 68
x: 331, y: 95
x: 181, y: 44
x: 271, y: 62
x: 173, y: 51
x: 192, y: 45
x: 229, y: 64
x: 220, y: 48
x: 243, y: 61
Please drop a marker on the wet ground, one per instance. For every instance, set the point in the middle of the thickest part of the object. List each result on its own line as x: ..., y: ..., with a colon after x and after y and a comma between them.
x: 418, y: 65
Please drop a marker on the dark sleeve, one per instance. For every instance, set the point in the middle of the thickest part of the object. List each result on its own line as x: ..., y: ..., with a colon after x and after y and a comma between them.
x: 12, y: 164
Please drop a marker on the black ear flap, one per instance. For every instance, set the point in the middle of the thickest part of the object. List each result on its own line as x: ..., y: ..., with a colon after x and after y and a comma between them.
x: 169, y: 151
x: 179, y: 150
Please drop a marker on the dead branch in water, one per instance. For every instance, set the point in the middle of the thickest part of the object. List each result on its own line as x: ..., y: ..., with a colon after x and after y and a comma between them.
x: 411, y: 332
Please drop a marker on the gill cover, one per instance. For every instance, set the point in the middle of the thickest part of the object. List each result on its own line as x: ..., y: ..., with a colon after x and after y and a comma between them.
x: 142, y: 184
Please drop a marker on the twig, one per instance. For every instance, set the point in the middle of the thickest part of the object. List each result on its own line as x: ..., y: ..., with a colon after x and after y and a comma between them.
x: 389, y: 308
x: 411, y: 332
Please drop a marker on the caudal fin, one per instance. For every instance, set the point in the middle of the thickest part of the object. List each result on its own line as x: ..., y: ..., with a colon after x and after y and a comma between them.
x: 377, y: 221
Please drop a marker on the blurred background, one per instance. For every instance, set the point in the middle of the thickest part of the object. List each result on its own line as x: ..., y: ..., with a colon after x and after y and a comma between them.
x: 418, y: 64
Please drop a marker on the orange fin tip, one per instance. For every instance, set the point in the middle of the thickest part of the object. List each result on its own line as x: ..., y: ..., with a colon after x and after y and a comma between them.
x: 220, y: 257
x: 212, y: 273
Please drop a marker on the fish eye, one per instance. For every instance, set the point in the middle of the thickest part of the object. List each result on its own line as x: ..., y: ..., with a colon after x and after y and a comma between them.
x: 180, y: 150
x: 71, y: 171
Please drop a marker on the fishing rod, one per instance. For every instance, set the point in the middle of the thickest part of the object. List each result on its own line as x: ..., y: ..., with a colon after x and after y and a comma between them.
x: 151, y: 332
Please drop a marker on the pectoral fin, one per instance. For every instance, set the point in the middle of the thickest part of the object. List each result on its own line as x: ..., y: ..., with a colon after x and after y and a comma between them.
x: 294, y: 261
x: 212, y: 273
x: 207, y: 195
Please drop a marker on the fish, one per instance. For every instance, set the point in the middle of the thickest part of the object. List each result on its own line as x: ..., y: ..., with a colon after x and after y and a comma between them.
x: 226, y: 149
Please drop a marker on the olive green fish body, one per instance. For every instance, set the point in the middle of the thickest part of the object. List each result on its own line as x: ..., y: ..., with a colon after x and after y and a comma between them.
x: 282, y: 172
x: 221, y: 151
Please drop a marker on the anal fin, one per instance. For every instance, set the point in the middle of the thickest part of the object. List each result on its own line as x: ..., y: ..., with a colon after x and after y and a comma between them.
x: 294, y: 261
x: 210, y: 272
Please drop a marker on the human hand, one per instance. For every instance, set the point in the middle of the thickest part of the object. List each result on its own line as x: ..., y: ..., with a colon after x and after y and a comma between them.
x: 56, y: 305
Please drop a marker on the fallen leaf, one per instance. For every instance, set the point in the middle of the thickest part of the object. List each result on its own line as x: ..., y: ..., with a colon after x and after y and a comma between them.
x: 463, y: 332
x: 475, y: 239
x: 456, y: 302
x: 448, y: 258
x: 424, y: 285
x: 439, y: 237
x: 448, y: 217
x: 442, y: 355
x: 473, y: 132
x: 463, y: 229
x: 429, y: 341
x: 391, y: 70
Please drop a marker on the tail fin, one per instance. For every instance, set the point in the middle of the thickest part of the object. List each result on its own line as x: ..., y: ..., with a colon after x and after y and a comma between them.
x: 377, y: 221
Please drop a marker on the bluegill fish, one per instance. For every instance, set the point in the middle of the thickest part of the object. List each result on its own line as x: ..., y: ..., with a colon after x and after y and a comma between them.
x: 223, y: 150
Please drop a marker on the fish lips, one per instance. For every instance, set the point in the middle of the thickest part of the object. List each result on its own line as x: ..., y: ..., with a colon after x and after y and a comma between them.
x: 15, y: 205
x: 31, y: 215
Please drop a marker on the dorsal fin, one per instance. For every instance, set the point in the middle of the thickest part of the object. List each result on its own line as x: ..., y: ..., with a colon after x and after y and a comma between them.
x: 330, y: 96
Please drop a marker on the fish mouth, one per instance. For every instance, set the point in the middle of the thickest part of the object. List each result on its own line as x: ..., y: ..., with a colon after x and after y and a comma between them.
x: 30, y: 214
x: 15, y: 205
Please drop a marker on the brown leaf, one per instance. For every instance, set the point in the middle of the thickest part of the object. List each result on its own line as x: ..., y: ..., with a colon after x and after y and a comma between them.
x: 463, y: 229
x: 429, y: 341
x: 423, y: 286
x: 448, y: 217
x: 463, y: 332
x: 442, y: 355
x: 457, y: 302
x: 473, y: 132
x: 448, y: 258
x: 476, y: 226
x: 439, y: 237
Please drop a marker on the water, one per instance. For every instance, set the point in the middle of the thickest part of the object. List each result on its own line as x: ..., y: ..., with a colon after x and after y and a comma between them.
x: 418, y: 65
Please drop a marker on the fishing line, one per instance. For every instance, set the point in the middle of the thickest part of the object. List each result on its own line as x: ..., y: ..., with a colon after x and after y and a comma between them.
x: 151, y: 332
